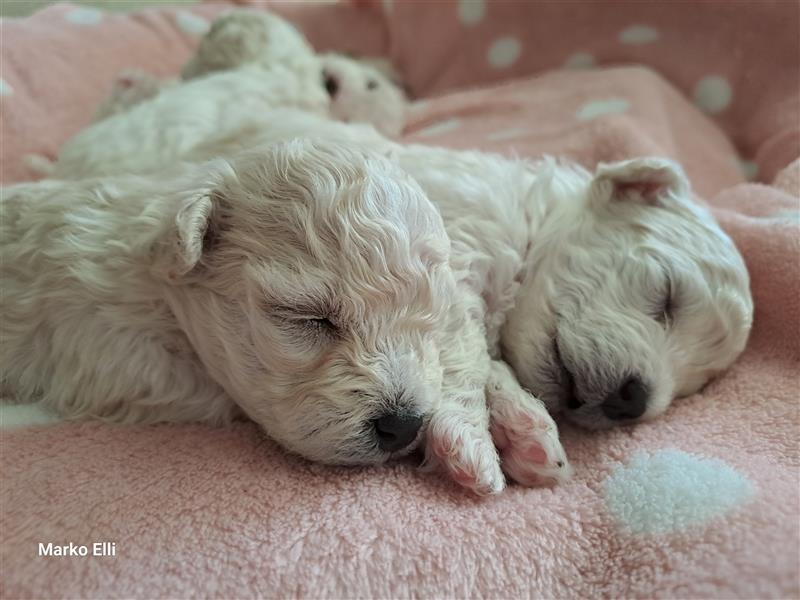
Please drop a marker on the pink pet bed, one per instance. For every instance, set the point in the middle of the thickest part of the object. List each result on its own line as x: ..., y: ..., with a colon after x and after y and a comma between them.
x: 702, y: 502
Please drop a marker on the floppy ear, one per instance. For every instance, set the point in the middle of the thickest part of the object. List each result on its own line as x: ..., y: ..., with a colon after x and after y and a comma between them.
x: 650, y: 181
x: 189, y: 236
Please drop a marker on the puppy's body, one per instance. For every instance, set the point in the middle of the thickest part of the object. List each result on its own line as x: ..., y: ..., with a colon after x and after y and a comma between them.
x: 166, y: 128
x: 306, y: 286
x: 86, y: 326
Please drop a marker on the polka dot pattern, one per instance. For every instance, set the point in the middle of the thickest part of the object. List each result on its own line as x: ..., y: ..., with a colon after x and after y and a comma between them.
x: 713, y: 94
x: 606, y: 106
x: 25, y: 415
x: 504, y: 52
x: 671, y: 491
x: 84, y: 16
x: 191, y: 23
x: 638, y: 35
x: 471, y: 12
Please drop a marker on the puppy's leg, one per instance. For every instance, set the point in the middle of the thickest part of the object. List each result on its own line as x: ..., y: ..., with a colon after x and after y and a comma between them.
x: 523, y: 431
x: 458, y: 438
x: 460, y: 443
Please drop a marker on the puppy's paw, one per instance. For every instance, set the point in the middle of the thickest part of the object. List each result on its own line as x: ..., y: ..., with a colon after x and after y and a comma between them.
x: 524, y: 432
x: 466, y: 452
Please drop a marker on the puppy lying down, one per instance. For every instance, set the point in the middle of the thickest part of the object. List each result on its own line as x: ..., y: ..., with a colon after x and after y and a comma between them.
x: 315, y: 288
x: 249, y: 63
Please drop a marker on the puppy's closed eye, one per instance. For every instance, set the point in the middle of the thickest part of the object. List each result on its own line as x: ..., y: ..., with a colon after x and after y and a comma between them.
x: 665, y: 311
x: 318, y: 325
x: 303, y: 322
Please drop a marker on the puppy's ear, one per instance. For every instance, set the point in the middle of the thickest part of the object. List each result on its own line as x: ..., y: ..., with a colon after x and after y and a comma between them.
x: 650, y: 181
x: 190, y: 237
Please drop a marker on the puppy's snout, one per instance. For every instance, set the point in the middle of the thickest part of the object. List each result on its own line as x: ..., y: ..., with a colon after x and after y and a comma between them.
x: 628, y: 402
x: 396, y: 431
x: 331, y: 83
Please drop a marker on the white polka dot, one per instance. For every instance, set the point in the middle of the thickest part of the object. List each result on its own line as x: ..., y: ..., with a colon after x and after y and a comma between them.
x: 748, y: 168
x: 504, y: 52
x: 606, y: 106
x: 440, y: 127
x: 713, y: 94
x: 580, y: 60
x: 5, y: 88
x: 191, y: 24
x: 84, y: 16
x: 508, y: 134
x: 670, y: 491
x: 25, y: 415
x: 471, y: 12
x: 638, y: 34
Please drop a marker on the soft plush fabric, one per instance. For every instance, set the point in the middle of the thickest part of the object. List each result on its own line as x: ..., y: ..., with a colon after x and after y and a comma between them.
x: 702, y: 502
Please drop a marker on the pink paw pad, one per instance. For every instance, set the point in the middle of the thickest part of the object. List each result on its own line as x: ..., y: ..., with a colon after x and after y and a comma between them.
x: 531, y: 454
x: 536, y: 454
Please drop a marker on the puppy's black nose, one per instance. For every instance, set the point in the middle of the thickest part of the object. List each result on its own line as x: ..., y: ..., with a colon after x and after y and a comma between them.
x: 628, y: 402
x: 331, y: 84
x: 396, y: 431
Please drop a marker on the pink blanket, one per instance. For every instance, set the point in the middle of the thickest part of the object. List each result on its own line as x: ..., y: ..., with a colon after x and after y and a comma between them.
x: 703, y: 502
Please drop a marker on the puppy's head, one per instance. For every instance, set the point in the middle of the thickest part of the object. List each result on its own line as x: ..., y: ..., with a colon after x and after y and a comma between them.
x: 634, y: 295
x: 310, y: 280
x: 360, y: 92
x: 242, y: 37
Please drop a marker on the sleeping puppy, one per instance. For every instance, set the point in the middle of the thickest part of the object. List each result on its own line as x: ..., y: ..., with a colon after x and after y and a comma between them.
x: 305, y: 285
x: 359, y: 90
x: 250, y: 60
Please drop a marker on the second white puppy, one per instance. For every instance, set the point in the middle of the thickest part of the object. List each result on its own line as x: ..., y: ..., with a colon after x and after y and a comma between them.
x: 305, y: 285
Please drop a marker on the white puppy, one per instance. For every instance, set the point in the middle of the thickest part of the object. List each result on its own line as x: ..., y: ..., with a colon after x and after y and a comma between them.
x: 359, y: 91
x: 304, y: 284
x: 164, y: 129
x: 144, y: 126
x: 241, y: 37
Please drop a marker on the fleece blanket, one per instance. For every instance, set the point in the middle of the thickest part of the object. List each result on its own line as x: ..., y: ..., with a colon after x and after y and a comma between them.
x: 702, y: 502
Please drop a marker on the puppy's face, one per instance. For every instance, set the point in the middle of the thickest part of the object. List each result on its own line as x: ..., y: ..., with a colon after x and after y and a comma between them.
x: 634, y: 296
x: 316, y: 299
x: 360, y: 93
